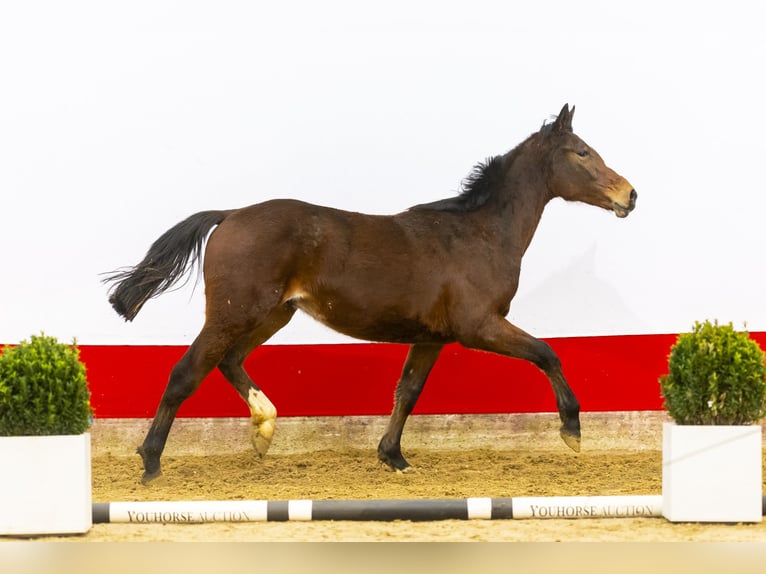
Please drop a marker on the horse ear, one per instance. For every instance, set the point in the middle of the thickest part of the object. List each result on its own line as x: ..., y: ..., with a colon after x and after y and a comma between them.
x: 563, y: 122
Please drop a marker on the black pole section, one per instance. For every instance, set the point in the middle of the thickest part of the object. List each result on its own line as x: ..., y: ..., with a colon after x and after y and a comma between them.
x: 415, y: 510
x: 502, y: 508
x: 100, y: 512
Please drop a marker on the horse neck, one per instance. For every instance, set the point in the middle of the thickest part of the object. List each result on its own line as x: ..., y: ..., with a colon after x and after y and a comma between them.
x: 519, y: 205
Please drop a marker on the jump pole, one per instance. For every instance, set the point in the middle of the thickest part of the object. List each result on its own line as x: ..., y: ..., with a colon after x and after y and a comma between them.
x: 542, y: 507
x: 203, y: 511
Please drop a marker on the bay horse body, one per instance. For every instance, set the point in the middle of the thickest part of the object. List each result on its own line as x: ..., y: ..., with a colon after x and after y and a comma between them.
x: 434, y: 274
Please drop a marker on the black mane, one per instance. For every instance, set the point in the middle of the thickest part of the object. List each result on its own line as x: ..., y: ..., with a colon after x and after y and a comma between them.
x: 475, y: 190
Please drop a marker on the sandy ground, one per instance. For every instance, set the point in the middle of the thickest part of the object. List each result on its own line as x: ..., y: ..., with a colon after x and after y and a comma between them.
x: 353, y: 474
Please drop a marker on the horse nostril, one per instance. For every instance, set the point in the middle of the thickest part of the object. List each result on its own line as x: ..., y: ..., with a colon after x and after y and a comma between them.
x: 633, y: 195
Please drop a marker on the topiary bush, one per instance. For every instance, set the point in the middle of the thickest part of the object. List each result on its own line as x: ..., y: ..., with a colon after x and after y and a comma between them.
x: 43, y: 390
x: 716, y: 376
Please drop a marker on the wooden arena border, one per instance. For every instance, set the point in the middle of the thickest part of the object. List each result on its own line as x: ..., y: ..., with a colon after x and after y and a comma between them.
x: 625, y: 430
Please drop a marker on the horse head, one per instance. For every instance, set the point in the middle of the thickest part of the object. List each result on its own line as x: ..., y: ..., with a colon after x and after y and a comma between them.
x: 577, y: 172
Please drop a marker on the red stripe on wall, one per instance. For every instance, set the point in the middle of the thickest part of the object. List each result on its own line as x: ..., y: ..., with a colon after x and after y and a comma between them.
x: 614, y: 373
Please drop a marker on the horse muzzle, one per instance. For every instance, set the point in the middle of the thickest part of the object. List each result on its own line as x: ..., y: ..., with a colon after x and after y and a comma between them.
x: 623, y: 210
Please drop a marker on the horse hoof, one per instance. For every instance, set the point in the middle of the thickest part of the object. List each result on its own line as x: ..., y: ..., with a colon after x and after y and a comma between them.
x: 402, y: 467
x: 571, y: 441
x: 261, y: 444
x: 404, y: 470
x: 156, y: 469
x: 261, y: 438
x: 150, y: 477
x: 263, y: 419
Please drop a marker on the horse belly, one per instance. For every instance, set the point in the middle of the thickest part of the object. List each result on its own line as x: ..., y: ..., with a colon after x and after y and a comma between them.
x: 382, y: 324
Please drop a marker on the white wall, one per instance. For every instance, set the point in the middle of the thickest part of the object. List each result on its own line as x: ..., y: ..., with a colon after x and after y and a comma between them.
x: 119, y: 119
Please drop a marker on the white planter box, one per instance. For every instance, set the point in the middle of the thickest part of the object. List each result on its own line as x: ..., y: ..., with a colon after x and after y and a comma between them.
x: 45, y: 485
x: 711, y: 473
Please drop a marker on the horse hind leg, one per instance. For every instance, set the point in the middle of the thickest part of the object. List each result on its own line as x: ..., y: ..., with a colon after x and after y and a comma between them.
x: 420, y: 359
x: 185, y: 377
x: 263, y: 413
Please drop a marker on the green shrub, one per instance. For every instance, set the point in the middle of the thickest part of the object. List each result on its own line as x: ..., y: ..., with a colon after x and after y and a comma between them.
x: 43, y: 390
x: 715, y: 377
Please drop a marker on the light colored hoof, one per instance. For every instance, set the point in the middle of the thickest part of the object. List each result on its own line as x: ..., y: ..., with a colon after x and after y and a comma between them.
x: 263, y: 418
x: 571, y: 441
x: 389, y: 468
x: 261, y: 437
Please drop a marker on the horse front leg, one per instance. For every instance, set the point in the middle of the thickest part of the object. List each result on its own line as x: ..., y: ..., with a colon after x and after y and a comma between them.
x: 420, y: 360
x: 499, y: 336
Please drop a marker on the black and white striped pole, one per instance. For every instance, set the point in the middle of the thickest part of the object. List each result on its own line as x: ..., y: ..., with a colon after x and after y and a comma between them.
x: 378, y: 510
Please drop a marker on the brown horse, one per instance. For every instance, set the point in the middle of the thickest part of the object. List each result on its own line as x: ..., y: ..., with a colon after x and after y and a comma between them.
x: 437, y: 273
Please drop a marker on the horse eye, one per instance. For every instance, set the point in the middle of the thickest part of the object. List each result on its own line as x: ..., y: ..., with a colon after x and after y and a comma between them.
x: 583, y: 153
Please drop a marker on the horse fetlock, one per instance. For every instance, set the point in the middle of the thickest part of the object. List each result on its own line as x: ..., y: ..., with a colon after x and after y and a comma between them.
x: 261, y: 408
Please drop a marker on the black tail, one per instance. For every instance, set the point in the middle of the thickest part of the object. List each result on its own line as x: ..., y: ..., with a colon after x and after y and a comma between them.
x: 168, y: 260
